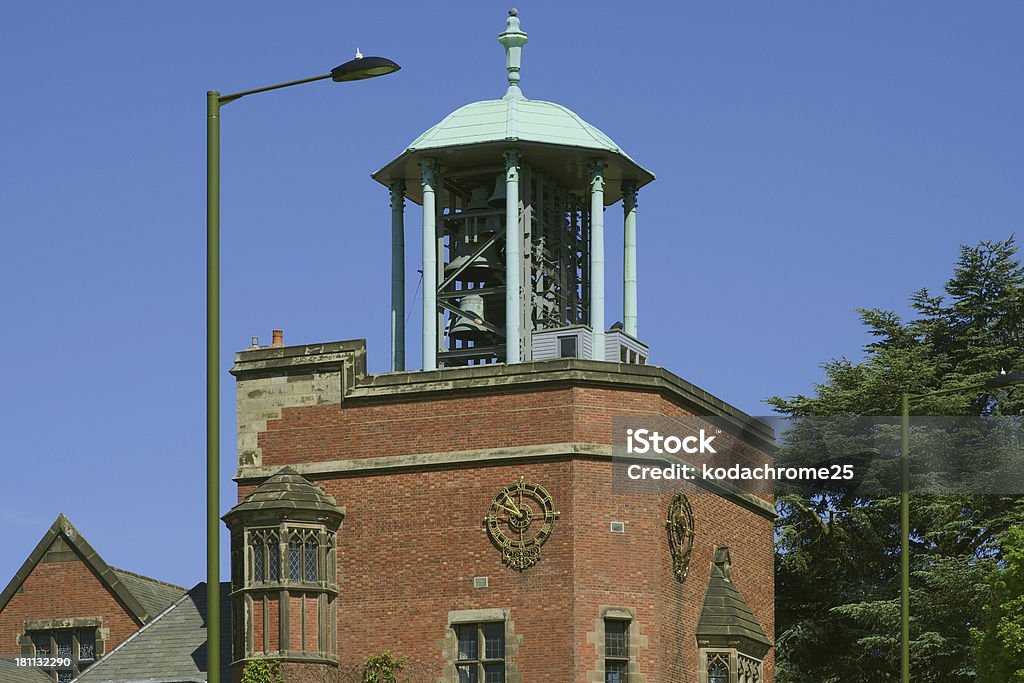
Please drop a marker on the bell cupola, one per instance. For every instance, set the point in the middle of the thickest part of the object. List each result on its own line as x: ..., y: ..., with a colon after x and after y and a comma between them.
x: 513, y: 192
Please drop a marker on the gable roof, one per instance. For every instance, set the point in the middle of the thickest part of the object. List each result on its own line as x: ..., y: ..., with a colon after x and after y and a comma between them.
x: 142, y: 597
x: 171, y: 647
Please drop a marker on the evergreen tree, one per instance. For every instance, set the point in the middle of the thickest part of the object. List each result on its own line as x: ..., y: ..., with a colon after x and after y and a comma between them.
x: 1000, y: 650
x: 837, y: 565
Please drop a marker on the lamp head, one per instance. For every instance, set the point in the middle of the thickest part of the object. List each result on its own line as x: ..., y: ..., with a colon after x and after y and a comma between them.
x: 1005, y: 379
x: 362, y: 68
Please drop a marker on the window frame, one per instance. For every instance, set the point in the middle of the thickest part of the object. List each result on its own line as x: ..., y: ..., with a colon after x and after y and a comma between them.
x: 265, y: 540
x: 481, y: 661
x: 622, y: 658
x: 52, y: 636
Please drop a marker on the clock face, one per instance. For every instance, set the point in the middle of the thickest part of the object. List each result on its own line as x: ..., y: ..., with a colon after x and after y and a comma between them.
x: 519, y: 520
x: 680, y: 534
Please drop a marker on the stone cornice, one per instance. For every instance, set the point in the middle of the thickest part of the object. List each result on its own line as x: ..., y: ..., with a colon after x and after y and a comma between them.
x: 369, y: 466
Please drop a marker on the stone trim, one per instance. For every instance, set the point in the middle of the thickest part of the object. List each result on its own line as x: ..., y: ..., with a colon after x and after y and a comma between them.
x: 250, y: 475
x: 449, y: 644
x: 636, y: 641
x: 349, y: 359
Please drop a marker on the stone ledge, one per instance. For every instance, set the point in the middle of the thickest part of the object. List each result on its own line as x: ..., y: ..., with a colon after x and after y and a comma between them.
x: 371, y: 466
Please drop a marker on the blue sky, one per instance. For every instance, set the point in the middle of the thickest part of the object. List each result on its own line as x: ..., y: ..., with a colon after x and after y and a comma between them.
x: 812, y: 158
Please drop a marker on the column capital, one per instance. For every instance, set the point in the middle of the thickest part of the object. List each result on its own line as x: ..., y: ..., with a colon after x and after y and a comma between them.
x: 512, y: 160
x: 397, y: 190
x: 428, y: 171
x: 629, y: 194
x: 596, y: 168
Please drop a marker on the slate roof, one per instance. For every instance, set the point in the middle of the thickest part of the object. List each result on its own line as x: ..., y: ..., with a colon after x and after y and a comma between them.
x: 141, y: 596
x: 171, y: 647
x: 726, y: 613
x: 287, y: 490
x: 10, y: 672
x: 155, y: 596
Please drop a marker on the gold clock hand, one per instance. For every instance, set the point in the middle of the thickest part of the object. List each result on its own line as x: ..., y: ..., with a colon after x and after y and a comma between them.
x: 508, y: 509
x: 518, y: 512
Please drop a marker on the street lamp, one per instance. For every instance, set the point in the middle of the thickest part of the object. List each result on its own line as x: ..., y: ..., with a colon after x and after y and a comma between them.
x: 357, y: 69
x: 999, y: 381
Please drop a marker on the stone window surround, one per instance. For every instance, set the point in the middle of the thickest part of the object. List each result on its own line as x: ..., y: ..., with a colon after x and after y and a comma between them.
x: 76, y: 624
x: 449, y: 644
x: 635, y: 641
x: 325, y: 553
x: 734, y: 655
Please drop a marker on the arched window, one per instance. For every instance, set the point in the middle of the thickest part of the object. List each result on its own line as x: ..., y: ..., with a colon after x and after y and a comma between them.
x: 309, y: 560
x: 266, y: 557
x: 718, y: 668
x: 303, y: 554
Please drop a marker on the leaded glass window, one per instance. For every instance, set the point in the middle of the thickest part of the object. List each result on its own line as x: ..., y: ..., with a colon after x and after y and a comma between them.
x: 258, y: 560
x: 616, y: 650
x: 718, y: 668
x: 87, y: 645
x: 64, y: 644
x: 274, y: 561
x: 309, y: 569
x: 266, y: 554
x: 294, y: 561
x: 481, y: 652
x: 41, y: 641
x: 77, y: 646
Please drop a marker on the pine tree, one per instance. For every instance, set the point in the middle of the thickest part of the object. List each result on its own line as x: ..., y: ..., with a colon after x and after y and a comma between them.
x: 837, y: 565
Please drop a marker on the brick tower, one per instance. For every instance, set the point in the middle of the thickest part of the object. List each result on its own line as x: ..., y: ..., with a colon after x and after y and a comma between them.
x: 463, y: 516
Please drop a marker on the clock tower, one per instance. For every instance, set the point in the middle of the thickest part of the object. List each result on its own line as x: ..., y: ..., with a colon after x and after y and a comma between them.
x: 464, y: 516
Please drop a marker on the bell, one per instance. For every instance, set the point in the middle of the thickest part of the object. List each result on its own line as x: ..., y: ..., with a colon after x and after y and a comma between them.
x: 497, y: 197
x: 478, y: 200
x: 487, y: 268
x: 468, y: 327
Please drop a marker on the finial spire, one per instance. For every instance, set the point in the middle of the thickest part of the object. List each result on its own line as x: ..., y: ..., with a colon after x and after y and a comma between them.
x: 513, y: 39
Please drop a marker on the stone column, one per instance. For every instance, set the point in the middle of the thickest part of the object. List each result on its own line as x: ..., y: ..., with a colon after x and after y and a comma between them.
x: 597, y: 256
x: 397, y: 275
x: 428, y: 169
x: 513, y: 257
x: 629, y: 316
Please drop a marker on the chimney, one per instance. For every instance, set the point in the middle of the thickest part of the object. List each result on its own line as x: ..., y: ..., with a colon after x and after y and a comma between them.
x: 278, y: 338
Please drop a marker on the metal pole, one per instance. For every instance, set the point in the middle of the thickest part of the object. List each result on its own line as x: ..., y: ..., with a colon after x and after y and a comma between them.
x: 397, y: 276
x: 905, y: 542
x: 213, y: 653
x: 597, y: 257
x: 427, y: 167
x: 629, y: 315
x: 513, y: 258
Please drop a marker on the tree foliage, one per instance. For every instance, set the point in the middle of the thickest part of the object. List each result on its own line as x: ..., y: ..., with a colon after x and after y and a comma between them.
x: 1000, y: 648
x: 837, y: 565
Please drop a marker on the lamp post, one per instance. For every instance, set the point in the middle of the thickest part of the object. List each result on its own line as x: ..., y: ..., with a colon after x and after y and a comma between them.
x: 355, y: 70
x: 999, y: 381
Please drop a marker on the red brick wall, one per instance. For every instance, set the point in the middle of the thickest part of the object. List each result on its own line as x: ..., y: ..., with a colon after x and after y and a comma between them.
x: 62, y: 590
x: 412, y: 542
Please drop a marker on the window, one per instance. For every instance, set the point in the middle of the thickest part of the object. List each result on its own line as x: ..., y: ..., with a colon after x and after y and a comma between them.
x: 302, y: 555
x: 77, y: 645
x: 567, y: 347
x: 481, y: 652
x: 616, y: 650
x: 623, y: 354
x: 266, y: 556
x: 718, y: 668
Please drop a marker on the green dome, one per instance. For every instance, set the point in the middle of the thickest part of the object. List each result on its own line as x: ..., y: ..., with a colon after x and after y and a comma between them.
x: 514, y: 119
x: 549, y: 136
